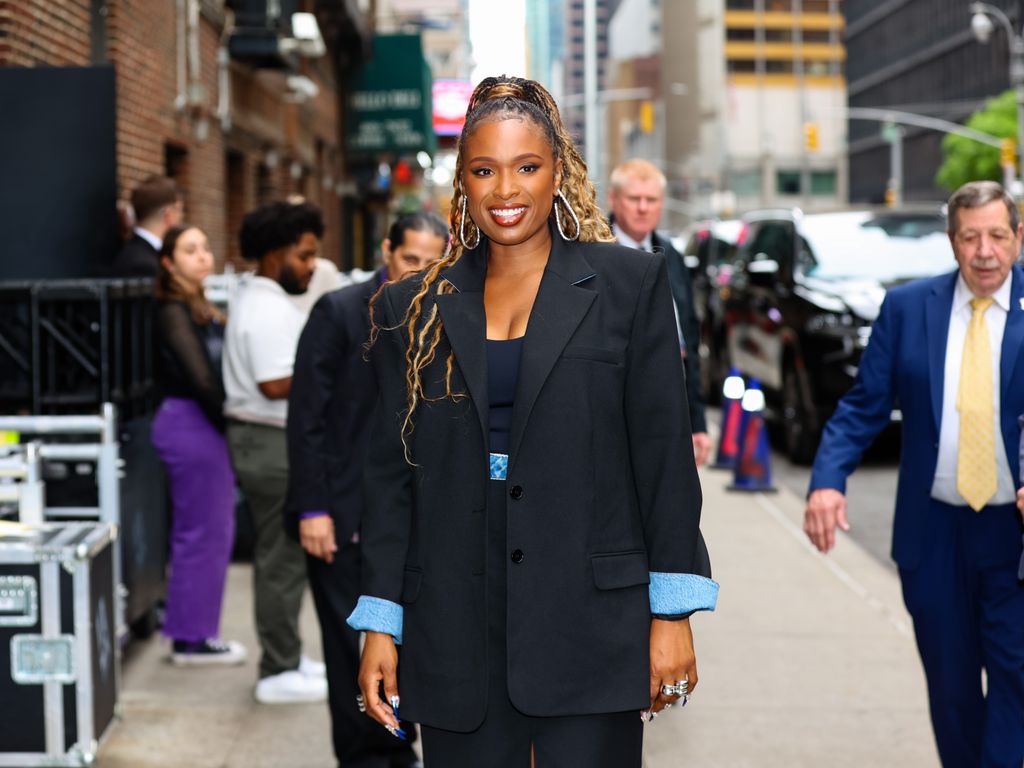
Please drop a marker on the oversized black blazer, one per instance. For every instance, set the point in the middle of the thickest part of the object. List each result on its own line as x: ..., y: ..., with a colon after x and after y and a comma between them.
x: 601, y: 478
x: 330, y: 410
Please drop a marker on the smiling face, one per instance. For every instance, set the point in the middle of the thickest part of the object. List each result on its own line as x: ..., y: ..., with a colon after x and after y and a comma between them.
x: 510, y: 178
x: 986, y: 246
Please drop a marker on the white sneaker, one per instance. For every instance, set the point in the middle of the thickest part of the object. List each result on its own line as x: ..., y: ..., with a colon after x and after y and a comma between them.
x: 291, y: 687
x: 311, y: 667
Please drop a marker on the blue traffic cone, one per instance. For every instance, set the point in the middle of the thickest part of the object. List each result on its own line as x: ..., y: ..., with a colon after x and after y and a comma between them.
x: 753, y: 465
x: 729, y: 434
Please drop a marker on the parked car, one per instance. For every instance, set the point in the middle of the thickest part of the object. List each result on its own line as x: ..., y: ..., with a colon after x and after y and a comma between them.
x: 800, y: 303
x: 709, y: 251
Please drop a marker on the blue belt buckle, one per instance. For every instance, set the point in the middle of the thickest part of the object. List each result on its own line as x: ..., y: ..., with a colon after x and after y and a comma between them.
x: 499, y: 466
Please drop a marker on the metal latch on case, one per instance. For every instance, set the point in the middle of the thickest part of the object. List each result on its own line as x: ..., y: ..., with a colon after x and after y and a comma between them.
x: 19, y: 601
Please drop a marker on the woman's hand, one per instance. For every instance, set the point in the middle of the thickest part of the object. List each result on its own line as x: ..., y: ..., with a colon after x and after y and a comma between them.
x: 380, y: 665
x: 672, y: 660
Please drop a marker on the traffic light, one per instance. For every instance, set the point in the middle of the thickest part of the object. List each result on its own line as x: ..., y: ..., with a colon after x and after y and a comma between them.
x: 1008, y: 152
x: 811, y: 137
x: 647, y: 117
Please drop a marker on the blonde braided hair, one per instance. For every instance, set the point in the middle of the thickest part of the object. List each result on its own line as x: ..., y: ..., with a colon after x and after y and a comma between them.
x: 495, y: 98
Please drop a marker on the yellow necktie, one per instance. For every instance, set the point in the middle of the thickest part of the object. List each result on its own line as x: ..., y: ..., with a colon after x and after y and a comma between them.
x: 976, y: 455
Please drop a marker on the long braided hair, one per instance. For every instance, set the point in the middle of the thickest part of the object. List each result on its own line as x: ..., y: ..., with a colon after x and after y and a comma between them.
x: 495, y: 98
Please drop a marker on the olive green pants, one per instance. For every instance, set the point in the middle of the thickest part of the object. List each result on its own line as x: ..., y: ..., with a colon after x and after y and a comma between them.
x: 260, y: 457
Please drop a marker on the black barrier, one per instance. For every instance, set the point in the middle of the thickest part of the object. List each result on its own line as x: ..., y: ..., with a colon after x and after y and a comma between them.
x: 67, y: 346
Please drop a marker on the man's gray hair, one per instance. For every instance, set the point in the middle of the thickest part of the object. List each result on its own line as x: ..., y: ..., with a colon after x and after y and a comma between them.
x: 975, y: 194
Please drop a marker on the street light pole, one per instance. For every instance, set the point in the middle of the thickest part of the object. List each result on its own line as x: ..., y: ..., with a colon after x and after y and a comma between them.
x: 982, y: 26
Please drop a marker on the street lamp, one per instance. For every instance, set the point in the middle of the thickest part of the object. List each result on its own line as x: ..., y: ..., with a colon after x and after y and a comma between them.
x: 981, y: 24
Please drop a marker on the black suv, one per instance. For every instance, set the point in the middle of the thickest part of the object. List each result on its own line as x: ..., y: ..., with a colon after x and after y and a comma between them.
x: 803, y: 294
x: 709, y: 250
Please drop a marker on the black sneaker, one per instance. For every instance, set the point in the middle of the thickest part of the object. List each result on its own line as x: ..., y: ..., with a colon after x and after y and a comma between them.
x: 207, y: 652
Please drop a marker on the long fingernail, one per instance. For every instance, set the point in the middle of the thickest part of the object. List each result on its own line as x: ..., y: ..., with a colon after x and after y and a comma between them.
x: 643, y: 716
x: 394, y: 704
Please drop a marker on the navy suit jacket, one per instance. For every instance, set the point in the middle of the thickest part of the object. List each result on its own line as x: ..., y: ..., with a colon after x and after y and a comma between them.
x: 904, y: 366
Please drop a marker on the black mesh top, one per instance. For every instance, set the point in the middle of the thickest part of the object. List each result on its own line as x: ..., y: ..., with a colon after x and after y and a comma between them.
x: 502, y: 380
x: 188, y: 359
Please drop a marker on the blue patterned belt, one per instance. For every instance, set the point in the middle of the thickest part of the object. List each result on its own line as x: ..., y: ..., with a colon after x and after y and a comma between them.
x: 499, y: 466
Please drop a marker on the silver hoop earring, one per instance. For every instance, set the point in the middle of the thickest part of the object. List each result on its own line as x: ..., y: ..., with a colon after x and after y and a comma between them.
x: 558, y: 218
x: 462, y: 229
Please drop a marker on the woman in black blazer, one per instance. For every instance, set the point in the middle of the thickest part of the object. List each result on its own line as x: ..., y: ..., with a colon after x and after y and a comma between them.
x: 531, y: 536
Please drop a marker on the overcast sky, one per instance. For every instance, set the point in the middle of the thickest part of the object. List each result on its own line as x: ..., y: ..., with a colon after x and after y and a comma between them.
x: 497, y: 31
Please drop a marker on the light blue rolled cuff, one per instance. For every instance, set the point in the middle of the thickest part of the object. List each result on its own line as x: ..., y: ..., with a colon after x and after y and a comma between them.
x: 374, y: 614
x: 673, y: 593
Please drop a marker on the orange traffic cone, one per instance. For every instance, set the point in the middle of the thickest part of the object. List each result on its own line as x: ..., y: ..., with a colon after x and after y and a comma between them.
x: 729, y: 434
x: 753, y: 465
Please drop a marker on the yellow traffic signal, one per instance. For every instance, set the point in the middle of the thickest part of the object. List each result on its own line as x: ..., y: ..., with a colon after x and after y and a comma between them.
x: 811, y: 137
x: 1008, y: 152
x: 647, y: 117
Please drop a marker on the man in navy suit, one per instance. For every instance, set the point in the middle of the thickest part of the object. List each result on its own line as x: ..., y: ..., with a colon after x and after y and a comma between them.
x: 956, y: 532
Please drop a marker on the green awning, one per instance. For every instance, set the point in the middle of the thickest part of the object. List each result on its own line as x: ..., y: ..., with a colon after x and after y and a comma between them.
x: 390, y: 107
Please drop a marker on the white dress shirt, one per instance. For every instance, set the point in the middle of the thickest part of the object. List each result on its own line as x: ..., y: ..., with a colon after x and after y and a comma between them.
x: 149, y: 237
x: 944, y: 484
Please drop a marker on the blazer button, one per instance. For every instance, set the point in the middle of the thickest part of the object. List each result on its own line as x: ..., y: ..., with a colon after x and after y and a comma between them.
x: 516, y: 492
x: 517, y: 556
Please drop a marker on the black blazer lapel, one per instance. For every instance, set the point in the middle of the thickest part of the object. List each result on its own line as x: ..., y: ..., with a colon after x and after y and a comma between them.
x: 561, y: 304
x: 465, y: 324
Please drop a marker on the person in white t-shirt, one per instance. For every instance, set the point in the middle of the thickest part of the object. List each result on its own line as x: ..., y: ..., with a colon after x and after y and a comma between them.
x: 259, y: 354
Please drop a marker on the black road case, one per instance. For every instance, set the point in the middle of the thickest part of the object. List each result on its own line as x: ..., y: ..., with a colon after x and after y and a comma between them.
x: 59, y: 656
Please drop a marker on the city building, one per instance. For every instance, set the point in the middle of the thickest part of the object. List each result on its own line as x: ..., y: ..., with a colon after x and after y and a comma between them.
x: 226, y: 96
x: 573, y: 64
x: 545, y: 44
x: 916, y: 56
x: 774, y: 132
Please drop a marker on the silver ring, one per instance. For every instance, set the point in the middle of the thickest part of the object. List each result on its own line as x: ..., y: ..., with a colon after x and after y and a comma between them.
x: 672, y: 690
x: 361, y: 703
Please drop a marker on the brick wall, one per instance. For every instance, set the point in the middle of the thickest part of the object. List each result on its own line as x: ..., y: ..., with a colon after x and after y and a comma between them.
x: 223, y: 173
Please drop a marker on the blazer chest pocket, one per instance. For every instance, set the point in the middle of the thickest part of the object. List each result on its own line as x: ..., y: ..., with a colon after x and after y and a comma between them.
x: 594, y: 354
x: 616, y: 570
x: 411, y: 583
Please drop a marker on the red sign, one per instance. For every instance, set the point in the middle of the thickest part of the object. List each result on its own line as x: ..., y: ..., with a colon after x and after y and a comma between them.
x: 451, y: 97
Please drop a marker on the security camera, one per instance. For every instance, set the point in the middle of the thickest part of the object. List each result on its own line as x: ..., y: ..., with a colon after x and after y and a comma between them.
x: 306, y: 39
x: 982, y: 26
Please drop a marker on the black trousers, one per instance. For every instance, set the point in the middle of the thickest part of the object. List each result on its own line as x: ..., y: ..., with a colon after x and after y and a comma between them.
x: 359, y: 742
x: 506, y: 736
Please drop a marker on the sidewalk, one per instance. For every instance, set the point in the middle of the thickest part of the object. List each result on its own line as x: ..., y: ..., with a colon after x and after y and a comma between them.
x: 808, y: 661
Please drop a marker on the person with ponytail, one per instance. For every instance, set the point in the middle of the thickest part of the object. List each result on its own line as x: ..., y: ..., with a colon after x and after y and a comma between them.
x: 188, y: 436
x: 531, y: 541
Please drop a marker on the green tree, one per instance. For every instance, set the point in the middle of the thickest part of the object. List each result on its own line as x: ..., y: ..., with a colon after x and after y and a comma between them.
x: 968, y: 160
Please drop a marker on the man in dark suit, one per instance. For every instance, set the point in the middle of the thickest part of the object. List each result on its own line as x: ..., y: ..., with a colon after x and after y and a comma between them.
x: 637, y: 197
x: 157, y: 206
x: 331, y: 404
x: 948, y: 351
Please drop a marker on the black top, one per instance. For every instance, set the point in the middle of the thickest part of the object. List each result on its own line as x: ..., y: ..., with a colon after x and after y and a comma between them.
x: 502, y: 379
x: 188, y: 359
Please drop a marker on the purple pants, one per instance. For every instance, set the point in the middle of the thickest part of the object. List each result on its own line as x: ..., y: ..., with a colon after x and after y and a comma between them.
x: 202, y: 484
